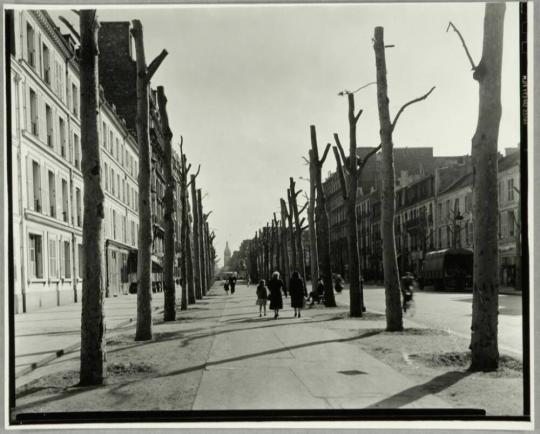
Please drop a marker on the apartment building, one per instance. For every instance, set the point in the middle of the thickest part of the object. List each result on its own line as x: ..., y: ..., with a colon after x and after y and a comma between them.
x: 47, y: 178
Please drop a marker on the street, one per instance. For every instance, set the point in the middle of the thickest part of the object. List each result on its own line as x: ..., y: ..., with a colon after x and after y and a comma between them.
x: 451, y: 311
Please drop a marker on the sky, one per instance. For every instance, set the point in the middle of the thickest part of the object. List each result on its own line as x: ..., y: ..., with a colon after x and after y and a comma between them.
x: 244, y: 83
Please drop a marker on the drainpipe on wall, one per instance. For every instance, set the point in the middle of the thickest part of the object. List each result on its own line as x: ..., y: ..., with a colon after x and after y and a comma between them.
x: 22, y: 222
x: 106, y: 268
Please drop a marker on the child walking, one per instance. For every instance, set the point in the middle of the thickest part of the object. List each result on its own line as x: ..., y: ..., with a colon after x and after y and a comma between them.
x: 262, y: 297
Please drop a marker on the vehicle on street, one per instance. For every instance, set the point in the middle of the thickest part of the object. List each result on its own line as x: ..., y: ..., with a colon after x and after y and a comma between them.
x: 447, y: 269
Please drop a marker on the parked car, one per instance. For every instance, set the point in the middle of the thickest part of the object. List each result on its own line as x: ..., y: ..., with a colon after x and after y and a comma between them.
x: 447, y: 269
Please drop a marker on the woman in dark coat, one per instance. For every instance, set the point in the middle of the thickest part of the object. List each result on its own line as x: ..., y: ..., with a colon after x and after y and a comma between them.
x: 275, y: 285
x: 298, y: 292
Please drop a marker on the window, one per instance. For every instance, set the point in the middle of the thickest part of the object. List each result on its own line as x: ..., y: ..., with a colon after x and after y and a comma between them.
x: 468, y: 202
x: 76, y: 147
x: 114, y: 150
x: 75, y: 97
x: 106, y: 177
x: 448, y: 236
x: 118, y: 185
x: 35, y: 256
x: 59, y: 80
x: 49, y: 122
x: 65, y: 200
x: 30, y: 45
x: 114, y: 224
x: 46, y: 65
x: 439, y: 211
x: 447, y: 208
x: 53, y: 261
x: 62, y: 128
x: 124, y: 235
x: 511, y: 189
x: 33, y: 113
x: 81, y: 260
x: 52, y: 194
x: 456, y: 206
x: 104, y: 134
x: 123, y: 192
x: 79, y: 206
x: 511, y: 223
x: 112, y: 182
x: 67, y: 260
x: 133, y: 240
x: 36, y: 185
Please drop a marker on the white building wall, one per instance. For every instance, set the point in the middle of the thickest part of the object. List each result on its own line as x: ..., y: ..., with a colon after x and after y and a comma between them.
x: 57, y: 279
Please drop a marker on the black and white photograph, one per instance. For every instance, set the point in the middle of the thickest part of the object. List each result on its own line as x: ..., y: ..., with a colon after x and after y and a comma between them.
x: 269, y: 214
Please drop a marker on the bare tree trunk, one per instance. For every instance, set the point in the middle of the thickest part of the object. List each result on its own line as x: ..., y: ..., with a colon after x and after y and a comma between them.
x: 300, y: 265
x: 285, y: 254
x: 144, y: 258
x: 169, y: 288
x: 197, y: 269
x: 93, y: 367
x: 186, y: 250
x: 394, y: 319
x: 202, y: 247
x: 349, y: 174
x: 314, y: 256
x: 484, y: 349
x: 191, y: 296
x: 277, y: 244
x: 323, y: 223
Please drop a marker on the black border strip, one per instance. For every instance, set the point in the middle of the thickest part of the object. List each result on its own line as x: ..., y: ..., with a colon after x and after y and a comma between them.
x: 525, y: 284
x: 281, y: 415
x: 9, y: 41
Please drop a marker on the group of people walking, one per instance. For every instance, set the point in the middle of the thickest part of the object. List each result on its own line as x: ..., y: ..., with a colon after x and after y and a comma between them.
x: 273, y: 292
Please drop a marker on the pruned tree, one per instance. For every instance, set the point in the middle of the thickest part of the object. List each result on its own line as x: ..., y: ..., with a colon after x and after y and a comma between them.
x: 93, y: 367
x: 313, y: 253
x: 394, y: 317
x: 276, y: 244
x: 298, y: 226
x: 144, y: 252
x: 169, y: 286
x: 484, y: 346
x: 325, y: 267
x: 185, y: 258
x: 202, y: 246
x: 197, y: 266
x: 349, y: 172
x: 285, y: 248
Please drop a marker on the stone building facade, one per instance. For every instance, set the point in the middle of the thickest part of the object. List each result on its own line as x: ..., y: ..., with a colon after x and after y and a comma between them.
x: 47, y: 191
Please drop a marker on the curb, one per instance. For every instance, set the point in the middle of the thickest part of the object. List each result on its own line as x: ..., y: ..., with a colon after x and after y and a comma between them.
x: 63, y: 351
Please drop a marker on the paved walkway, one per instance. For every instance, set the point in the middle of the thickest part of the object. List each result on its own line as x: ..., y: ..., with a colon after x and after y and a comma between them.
x: 235, y: 360
x: 46, y: 334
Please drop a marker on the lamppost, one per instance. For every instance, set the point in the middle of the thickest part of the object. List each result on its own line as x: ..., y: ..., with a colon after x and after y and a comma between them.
x: 457, y: 229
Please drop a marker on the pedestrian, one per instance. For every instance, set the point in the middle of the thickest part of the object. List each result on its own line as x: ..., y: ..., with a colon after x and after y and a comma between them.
x: 232, y: 282
x: 262, y: 297
x: 276, y: 286
x: 407, y: 288
x: 248, y: 280
x: 298, y: 292
x: 316, y: 293
x: 226, y: 287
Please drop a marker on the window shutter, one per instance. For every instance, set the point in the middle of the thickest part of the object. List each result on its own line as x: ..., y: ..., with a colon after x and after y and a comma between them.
x: 30, y: 182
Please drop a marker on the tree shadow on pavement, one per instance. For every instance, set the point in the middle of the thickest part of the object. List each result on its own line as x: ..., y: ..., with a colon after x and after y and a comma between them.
x: 268, y: 352
x: 433, y: 386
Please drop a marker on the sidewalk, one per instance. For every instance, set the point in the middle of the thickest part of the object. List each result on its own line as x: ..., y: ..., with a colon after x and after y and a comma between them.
x: 220, y: 355
x: 44, y: 335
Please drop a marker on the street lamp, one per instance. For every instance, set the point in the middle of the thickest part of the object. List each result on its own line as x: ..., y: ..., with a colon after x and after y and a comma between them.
x: 457, y: 228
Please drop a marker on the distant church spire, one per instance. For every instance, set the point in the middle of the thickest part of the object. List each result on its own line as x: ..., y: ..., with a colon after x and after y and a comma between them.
x: 226, y: 255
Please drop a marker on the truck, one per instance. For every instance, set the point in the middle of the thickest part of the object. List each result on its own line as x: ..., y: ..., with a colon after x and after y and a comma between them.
x: 447, y: 269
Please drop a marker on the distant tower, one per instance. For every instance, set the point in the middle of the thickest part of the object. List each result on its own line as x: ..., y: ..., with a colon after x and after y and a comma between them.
x: 226, y: 255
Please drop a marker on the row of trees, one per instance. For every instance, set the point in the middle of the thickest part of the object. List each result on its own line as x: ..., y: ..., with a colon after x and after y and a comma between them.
x: 192, y: 244
x: 278, y: 245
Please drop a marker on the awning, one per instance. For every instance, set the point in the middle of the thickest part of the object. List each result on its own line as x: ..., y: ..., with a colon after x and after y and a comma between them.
x: 157, y: 266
